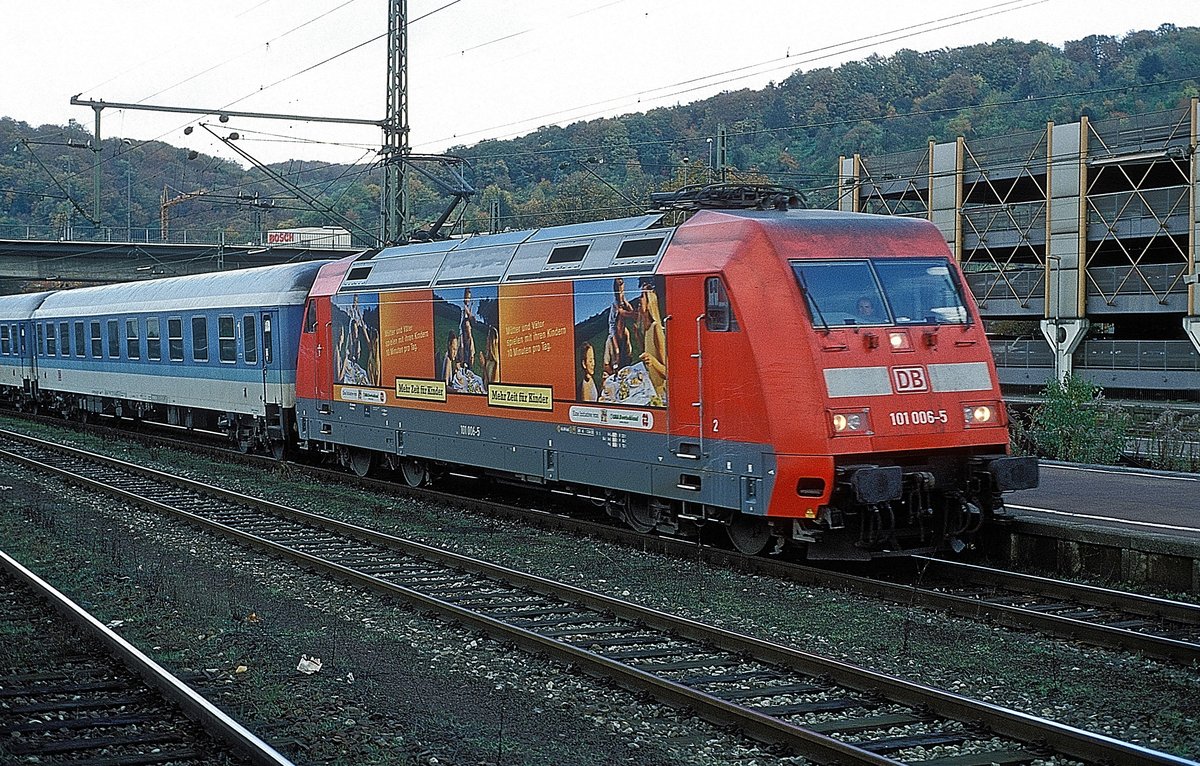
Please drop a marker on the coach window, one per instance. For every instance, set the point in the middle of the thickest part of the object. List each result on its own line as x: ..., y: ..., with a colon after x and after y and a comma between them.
x: 250, y: 339
x: 5, y: 340
x: 175, y: 339
x: 153, y: 339
x: 114, y: 339
x: 199, y: 339
x: 226, y: 342
x: 718, y: 313
x: 41, y: 334
x: 51, y: 340
x: 97, y: 341
x: 80, y: 340
x: 133, y: 348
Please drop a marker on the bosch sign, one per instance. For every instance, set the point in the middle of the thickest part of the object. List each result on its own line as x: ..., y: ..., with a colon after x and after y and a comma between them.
x: 280, y: 237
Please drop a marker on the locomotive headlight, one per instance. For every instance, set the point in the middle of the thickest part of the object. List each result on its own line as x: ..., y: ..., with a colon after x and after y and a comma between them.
x: 855, y: 422
x: 899, y: 341
x: 978, y: 414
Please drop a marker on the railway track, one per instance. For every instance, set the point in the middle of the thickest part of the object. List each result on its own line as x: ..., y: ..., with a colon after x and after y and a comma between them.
x: 824, y: 709
x: 1114, y: 619
x: 72, y: 691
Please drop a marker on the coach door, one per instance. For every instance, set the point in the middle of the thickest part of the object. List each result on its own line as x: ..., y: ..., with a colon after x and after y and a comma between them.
x: 269, y: 353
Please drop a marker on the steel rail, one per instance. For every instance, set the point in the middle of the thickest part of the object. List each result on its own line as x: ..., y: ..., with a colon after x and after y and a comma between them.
x: 210, y: 718
x: 1023, y: 727
x: 910, y: 594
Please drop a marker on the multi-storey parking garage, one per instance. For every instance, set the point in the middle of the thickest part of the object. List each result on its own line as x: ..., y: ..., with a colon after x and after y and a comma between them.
x: 1079, y: 241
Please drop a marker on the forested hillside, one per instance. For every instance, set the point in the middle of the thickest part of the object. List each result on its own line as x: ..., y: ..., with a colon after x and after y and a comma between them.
x: 790, y: 132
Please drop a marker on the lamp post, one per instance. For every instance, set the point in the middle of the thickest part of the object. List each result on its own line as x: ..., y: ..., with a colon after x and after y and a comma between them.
x: 1057, y: 261
x: 709, y: 141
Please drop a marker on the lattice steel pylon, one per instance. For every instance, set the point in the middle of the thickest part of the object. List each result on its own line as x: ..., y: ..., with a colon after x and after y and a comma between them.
x: 395, y: 129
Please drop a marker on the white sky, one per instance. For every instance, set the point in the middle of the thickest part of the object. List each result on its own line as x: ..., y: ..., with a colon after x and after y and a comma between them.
x: 477, y: 68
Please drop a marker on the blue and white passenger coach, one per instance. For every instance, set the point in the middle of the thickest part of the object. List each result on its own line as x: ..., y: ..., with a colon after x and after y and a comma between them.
x: 214, y: 351
x: 17, y: 362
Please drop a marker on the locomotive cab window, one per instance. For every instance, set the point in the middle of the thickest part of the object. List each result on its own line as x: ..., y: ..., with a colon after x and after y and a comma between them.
x: 718, y: 312
x: 882, y: 291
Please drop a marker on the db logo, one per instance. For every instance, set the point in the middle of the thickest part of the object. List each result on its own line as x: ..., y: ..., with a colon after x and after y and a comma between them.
x: 909, y: 379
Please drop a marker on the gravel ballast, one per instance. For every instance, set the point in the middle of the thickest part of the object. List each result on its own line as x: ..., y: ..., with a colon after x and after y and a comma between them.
x: 419, y: 687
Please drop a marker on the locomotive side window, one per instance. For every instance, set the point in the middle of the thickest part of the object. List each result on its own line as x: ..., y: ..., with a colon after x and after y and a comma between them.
x: 153, y: 339
x: 114, y: 339
x: 199, y: 339
x: 175, y: 339
x: 718, y: 313
x: 97, y: 341
x: 226, y: 342
x: 250, y: 339
x: 132, y: 346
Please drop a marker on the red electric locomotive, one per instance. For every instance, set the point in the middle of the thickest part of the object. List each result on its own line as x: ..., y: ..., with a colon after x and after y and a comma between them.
x: 799, y: 377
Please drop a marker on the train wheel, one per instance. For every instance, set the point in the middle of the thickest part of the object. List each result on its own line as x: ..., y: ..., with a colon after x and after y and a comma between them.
x: 361, y: 462
x: 639, y: 513
x: 749, y: 534
x: 414, y: 472
x: 243, y: 443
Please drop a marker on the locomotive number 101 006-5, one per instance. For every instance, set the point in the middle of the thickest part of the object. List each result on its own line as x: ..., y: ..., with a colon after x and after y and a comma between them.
x: 918, y: 417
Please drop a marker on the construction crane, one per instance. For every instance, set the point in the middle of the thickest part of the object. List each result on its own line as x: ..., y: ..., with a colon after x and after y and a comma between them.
x: 166, y: 201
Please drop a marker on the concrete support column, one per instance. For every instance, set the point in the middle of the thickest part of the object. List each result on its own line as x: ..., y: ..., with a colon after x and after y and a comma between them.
x: 945, y: 192
x: 1065, y: 322
x: 849, y: 184
x: 1063, y: 337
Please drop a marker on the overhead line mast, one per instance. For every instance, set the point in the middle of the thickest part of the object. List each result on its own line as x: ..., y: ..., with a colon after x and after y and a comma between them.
x: 396, y: 149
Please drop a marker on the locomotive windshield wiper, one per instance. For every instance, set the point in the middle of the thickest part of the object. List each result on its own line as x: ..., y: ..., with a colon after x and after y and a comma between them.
x: 808, y: 296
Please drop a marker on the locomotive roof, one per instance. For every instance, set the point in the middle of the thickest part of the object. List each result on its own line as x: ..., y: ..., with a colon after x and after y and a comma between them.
x: 284, y: 284
x: 620, y: 246
x: 22, y: 306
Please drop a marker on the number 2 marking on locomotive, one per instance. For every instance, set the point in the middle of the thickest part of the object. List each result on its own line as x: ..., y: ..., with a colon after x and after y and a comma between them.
x: 716, y: 425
